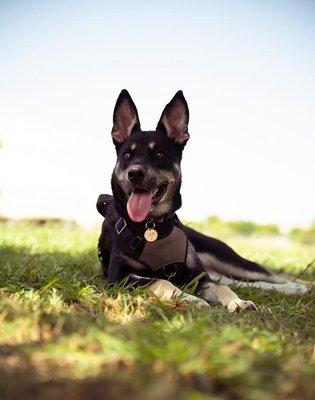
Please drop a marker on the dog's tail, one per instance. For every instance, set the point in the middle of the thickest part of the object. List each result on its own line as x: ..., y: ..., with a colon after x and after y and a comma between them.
x: 225, y: 265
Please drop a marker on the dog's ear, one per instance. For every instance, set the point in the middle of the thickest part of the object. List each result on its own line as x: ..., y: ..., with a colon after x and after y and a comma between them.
x: 125, y: 118
x: 174, y: 119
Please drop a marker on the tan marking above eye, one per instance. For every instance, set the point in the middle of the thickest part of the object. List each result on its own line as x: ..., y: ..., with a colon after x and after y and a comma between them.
x: 133, y: 146
x: 152, y: 145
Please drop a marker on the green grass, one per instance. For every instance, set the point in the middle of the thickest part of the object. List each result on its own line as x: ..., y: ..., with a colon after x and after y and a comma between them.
x: 66, y: 334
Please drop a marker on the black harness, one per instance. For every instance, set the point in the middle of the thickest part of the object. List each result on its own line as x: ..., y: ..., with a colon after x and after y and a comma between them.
x: 167, y: 251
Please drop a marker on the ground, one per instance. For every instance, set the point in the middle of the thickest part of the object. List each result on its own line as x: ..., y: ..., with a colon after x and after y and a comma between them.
x: 64, y: 333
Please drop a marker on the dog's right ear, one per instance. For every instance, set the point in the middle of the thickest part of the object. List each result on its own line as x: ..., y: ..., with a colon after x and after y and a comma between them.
x: 125, y: 118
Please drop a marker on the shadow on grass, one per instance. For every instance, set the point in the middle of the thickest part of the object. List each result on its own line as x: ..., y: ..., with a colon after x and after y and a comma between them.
x: 25, y: 382
x: 22, y: 268
x: 265, y: 380
x: 20, y: 378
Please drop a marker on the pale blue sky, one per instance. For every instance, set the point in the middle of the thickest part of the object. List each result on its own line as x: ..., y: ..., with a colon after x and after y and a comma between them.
x: 247, y: 69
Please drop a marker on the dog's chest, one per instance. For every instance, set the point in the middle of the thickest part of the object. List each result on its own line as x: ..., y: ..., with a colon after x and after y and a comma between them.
x: 172, y: 249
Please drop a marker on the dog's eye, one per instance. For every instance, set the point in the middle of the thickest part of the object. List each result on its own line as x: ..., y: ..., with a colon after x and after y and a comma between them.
x: 160, y: 155
x: 127, y: 156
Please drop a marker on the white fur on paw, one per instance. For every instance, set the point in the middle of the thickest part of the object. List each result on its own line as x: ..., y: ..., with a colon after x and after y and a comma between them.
x: 199, y: 303
x: 238, y: 305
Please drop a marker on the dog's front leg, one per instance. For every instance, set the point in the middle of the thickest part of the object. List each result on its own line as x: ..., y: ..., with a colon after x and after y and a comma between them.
x: 120, y: 268
x: 217, y: 293
x: 214, y: 292
x: 165, y: 290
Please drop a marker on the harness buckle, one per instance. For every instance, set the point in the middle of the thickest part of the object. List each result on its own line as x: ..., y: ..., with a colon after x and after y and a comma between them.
x: 120, y: 228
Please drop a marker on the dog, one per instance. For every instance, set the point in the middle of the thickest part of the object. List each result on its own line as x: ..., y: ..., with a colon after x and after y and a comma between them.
x: 143, y: 241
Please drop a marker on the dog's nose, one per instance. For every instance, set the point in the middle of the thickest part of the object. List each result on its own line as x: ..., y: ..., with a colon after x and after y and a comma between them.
x: 136, y: 173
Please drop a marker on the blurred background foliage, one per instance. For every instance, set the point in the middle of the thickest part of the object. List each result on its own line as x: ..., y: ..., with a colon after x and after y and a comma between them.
x: 215, y: 226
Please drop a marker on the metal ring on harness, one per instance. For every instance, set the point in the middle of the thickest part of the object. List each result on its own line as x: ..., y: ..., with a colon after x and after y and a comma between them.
x: 150, y: 224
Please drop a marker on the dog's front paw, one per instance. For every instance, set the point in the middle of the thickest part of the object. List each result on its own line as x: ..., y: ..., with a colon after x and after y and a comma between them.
x: 202, y: 304
x: 238, y: 305
x: 196, y: 301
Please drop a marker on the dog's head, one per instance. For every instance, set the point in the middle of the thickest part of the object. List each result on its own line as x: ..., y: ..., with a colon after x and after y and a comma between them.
x: 147, y: 176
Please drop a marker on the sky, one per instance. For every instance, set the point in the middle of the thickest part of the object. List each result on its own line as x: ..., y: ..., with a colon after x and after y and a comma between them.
x: 247, y: 70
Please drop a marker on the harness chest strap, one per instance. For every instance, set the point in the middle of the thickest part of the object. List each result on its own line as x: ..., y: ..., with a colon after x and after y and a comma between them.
x: 169, y: 248
x: 172, y: 249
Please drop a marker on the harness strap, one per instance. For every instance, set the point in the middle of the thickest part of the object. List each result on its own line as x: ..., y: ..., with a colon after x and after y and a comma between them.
x: 170, y: 245
x: 103, y: 202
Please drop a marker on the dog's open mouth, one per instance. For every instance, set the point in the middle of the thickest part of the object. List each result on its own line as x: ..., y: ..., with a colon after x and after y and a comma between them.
x: 141, y: 201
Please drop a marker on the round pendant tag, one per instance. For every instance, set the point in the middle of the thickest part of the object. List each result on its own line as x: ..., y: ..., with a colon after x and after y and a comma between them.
x: 150, y: 235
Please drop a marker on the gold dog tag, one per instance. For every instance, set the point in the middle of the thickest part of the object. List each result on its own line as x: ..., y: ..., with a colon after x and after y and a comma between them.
x: 150, y: 234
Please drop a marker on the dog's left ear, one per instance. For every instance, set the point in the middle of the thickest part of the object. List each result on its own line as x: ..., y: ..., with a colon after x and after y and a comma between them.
x: 174, y: 119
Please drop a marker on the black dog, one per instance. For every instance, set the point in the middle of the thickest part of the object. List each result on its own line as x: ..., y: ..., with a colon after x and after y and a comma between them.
x: 142, y: 240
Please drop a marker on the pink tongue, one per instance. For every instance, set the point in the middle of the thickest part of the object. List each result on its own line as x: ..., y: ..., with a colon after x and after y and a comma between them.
x: 139, y: 205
